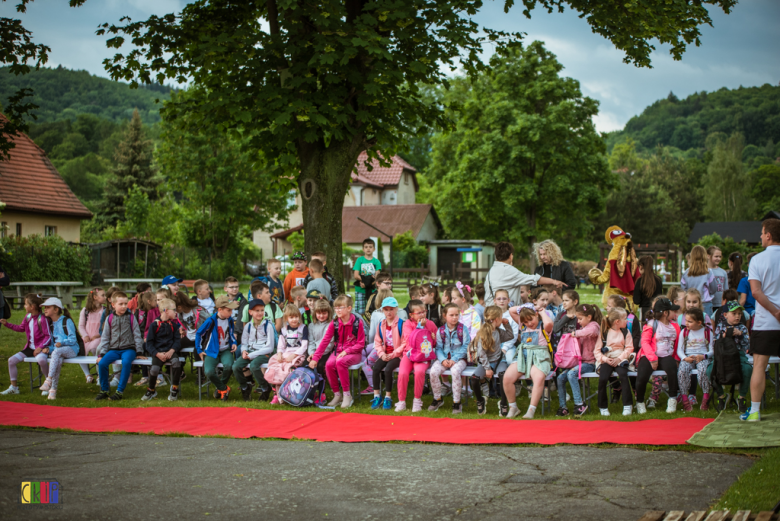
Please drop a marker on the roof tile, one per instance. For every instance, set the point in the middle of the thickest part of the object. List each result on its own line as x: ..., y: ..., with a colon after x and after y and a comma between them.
x: 381, y: 175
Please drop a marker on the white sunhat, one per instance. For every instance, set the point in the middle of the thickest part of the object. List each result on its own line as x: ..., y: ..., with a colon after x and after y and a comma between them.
x: 53, y: 301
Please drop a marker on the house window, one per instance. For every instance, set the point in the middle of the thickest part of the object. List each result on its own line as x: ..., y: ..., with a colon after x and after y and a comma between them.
x: 406, y: 179
x: 3, y: 230
x: 18, y: 229
x: 49, y: 231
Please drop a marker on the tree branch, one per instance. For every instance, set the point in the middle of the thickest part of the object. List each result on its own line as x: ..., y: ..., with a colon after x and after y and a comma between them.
x: 273, y: 17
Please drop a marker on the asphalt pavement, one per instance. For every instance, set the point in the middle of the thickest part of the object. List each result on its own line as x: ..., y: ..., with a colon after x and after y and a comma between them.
x: 164, y: 478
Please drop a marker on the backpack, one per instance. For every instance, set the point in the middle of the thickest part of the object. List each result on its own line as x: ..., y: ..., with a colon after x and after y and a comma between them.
x: 302, y: 387
x: 400, y: 330
x: 458, y: 331
x: 111, y: 316
x: 726, y: 366
x: 79, y: 340
x: 568, y: 355
x: 355, y: 325
x: 422, y: 344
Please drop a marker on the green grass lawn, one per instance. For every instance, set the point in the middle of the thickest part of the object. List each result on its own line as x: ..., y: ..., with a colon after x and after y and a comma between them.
x: 75, y: 392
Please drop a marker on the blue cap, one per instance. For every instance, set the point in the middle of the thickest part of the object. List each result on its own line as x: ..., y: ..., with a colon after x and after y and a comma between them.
x: 390, y: 302
x: 256, y: 302
x: 170, y: 279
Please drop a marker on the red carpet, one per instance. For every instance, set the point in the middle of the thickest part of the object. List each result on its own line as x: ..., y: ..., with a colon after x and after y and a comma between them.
x: 238, y: 422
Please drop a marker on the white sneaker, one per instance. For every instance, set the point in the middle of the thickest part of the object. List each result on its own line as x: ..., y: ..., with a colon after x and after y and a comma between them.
x: 53, y: 394
x: 44, y: 393
x: 640, y: 408
x: 417, y: 405
x: 335, y: 401
x: 45, y: 386
x: 651, y: 403
x: 347, y: 401
x: 529, y: 415
x: 114, y: 382
x: 513, y: 411
x: 671, y: 405
x: 627, y: 410
x: 400, y: 406
x: 604, y: 412
x: 12, y: 389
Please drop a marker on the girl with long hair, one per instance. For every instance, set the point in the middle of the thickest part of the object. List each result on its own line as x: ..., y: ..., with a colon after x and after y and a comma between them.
x: 699, y: 276
x: 89, y: 325
x: 648, y: 285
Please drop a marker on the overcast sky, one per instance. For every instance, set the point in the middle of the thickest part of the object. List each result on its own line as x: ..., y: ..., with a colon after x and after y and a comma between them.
x: 740, y: 49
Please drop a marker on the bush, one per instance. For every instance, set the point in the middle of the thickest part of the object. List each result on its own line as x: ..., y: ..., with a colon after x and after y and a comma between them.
x: 728, y: 246
x: 407, y: 253
x: 37, y: 258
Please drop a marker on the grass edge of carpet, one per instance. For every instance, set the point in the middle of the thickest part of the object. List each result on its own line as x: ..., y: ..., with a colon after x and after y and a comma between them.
x: 753, y: 490
x: 729, y: 420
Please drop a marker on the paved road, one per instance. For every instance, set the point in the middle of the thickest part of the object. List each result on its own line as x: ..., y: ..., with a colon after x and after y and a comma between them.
x: 148, y: 477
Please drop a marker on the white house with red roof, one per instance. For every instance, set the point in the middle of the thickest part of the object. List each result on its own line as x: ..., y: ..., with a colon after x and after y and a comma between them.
x: 392, y: 188
x: 34, y: 199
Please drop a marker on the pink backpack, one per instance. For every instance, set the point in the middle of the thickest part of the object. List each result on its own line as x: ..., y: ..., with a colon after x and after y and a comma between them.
x: 423, y: 344
x: 568, y: 355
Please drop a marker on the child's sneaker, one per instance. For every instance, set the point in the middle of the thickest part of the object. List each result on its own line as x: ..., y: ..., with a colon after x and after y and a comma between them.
x: 161, y: 382
x: 334, y: 402
x: 246, y: 393
x: 686, y: 404
x: 115, y: 397
x: 512, y: 412
x: 482, y: 406
x: 641, y: 408
x: 627, y: 410
x: 435, y: 404
x: 604, y: 412
x: 562, y: 411
x: 579, y: 410
x: 174, y: 394
x: 457, y: 409
x: 12, y: 389
x: 388, y: 404
x: 223, y: 395
x: 417, y: 405
x: 721, y: 402
x: 747, y: 416
x: 275, y: 400
x: 44, y: 393
x: 368, y: 390
x: 671, y: 405
x: 651, y: 403
x: 150, y: 393
x: 347, y: 401
x: 140, y: 383
x: 102, y: 395
x: 114, y: 382
x: 692, y: 399
x: 741, y: 404
x: 705, y: 402
x: 400, y: 406
x: 53, y: 394
x: 502, y: 410
x: 45, y: 386
x: 376, y: 402
x: 265, y: 394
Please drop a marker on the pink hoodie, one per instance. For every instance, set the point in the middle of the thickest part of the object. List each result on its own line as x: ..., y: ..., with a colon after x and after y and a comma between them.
x: 587, y: 337
x: 41, y: 328
x: 347, y: 341
x: 89, y: 326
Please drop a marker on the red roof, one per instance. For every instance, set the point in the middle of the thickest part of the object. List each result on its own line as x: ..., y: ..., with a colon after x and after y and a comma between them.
x: 380, y: 175
x: 30, y: 183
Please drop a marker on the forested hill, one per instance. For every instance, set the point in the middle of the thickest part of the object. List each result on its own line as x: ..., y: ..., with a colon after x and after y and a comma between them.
x: 685, y: 124
x: 64, y: 94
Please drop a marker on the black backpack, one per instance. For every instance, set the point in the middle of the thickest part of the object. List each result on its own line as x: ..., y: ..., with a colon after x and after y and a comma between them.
x: 726, y: 368
x: 82, y: 351
x: 355, y: 325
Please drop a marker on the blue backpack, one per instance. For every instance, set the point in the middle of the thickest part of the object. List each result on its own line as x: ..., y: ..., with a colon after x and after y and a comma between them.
x: 302, y: 387
x: 400, y: 330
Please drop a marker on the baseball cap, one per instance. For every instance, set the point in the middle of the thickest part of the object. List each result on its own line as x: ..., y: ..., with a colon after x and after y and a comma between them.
x: 224, y: 302
x: 314, y: 294
x: 390, y: 302
x: 664, y: 304
x: 733, y: 305
x: 298, y: 255
x: 255, y: 302
x: 170, y: 279
x: 53, y: 301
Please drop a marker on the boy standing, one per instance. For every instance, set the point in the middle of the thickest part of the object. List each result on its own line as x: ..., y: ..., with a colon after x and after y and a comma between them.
x: 204, y: 295
x: 334, y: 288
x: 365, y: 266
x: 317, y: 280
x: 256, y: 349
x: 297, y: 275
x: 163, y: 344
x: 273, y: 281
x: 120, y: 340
x: 215, y: 342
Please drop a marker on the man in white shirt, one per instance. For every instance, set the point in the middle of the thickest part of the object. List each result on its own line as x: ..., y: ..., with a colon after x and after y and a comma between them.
x: 505, y: 276
x: 764, y: 278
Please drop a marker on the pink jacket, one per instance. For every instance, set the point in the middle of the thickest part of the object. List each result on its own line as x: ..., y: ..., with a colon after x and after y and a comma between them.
x: 587, y: 337
x: 379, y: 344
x: 41, y: 328
x: 649, y: 343
x: 409, y: 327
x: 614, y: 340
x: 89, y: 326
x: 347, y: 341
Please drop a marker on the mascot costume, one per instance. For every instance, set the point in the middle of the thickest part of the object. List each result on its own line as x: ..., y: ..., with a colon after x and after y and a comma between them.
x: 621, y: 270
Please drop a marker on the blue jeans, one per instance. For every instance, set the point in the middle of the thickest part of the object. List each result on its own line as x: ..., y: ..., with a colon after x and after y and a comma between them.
x: 127, y: 356
x: 572, y: 375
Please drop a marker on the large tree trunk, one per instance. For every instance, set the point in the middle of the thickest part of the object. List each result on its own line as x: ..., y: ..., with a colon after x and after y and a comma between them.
x: 323, y: 183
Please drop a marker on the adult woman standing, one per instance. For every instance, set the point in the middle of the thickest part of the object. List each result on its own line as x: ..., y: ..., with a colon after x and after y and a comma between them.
x: 551, y: 264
